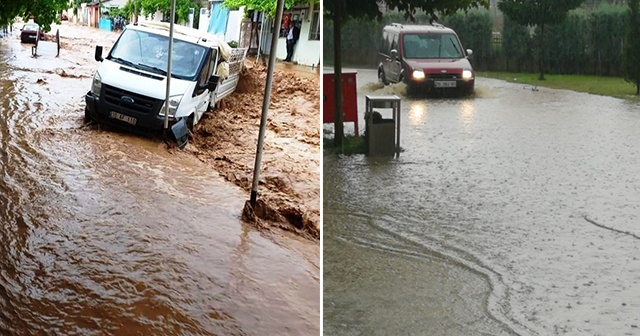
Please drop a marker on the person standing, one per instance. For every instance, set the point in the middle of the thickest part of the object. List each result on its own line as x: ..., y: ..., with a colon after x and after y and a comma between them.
x: 292, y: 38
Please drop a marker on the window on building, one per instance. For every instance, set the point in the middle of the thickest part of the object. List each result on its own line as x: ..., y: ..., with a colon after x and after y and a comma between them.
x: 314, y: 32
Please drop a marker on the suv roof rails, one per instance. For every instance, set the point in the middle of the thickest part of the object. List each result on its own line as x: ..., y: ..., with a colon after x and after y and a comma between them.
x: 397, y: 25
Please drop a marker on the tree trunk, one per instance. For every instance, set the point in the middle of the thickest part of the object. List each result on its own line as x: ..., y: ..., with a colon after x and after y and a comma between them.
x: 337, y: 75
x: 541, y: 60
x: 638, y: 87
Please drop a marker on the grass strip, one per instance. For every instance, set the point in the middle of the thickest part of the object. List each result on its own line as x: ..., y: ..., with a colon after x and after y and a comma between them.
x: 599, y: 85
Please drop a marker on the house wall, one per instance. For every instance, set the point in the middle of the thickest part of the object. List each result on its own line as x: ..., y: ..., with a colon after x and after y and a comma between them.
x: 305, y: 52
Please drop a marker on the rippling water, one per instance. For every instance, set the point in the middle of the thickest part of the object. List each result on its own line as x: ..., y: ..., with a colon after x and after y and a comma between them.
x: 506, y: 186
x: 108, y: 233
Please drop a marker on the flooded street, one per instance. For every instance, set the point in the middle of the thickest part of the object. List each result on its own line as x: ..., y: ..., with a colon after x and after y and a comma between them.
x: 106, y: 233
x: 514, y: 212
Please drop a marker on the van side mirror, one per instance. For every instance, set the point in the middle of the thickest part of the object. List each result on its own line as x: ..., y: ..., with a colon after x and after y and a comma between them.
x: 98, y: 55
x: 469, y: 53
x: 213, y: 82
x: 394, y: 54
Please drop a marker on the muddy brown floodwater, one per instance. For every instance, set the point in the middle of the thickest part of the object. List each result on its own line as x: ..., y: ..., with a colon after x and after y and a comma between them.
x: 107, y: 233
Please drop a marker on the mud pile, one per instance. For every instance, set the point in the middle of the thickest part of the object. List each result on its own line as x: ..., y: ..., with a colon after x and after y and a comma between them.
x: 289, y: 187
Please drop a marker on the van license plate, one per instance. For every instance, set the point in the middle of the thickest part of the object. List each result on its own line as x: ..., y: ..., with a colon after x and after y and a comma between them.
x: 444, y: 84
x: 122, y: 117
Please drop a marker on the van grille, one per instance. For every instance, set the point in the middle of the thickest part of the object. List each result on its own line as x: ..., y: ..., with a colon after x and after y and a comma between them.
x: 141, y: 104
x: 443, y: 76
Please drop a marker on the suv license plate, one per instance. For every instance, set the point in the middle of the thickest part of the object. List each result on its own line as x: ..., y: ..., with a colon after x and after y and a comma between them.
x: 444, y: 84
x: 122, y: 117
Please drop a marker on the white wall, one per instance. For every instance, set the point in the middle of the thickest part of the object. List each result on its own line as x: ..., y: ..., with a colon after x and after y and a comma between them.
x: 233, y: 25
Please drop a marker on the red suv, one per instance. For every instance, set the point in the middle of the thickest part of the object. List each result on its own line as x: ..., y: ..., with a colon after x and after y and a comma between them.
x: 426, y: 58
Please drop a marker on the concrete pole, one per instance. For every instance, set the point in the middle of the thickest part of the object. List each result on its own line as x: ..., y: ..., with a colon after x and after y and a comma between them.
x: 266, y: 101
x: 166, y: 102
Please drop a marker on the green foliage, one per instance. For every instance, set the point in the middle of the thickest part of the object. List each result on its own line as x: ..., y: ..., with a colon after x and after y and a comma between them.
x: 537, y: 12
x: 267, y: 6
x: 475, y: 30
x: 631, y: 59
x: 607, y: 37
x: 44, y: 12
x: 567, y: 44
x: 516, y: 43
x: 410, y: 8
x: 148, y: 7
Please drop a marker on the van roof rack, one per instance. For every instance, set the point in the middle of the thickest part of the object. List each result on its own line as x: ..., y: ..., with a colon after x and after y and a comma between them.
x: 435, y: 24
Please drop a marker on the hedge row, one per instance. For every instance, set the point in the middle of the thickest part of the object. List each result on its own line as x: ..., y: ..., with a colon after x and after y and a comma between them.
x: 587, y: 42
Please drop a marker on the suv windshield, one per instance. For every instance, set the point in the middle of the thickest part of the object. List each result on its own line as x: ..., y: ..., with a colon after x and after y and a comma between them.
x: 149, y: 52
x: 430, y: 45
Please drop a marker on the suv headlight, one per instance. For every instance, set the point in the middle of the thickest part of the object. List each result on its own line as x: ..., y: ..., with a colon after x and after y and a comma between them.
x: 467, y: 74
x: 96, y: 85
x: 174, y: 102
x: 418, y: 74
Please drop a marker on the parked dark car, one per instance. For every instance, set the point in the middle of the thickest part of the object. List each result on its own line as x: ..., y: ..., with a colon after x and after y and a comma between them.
x: 30, y: 32
x: 426, y: 58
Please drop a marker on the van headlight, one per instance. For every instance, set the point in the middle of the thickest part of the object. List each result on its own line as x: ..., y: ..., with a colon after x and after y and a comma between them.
x: 96, y: 85
x: 174, y: 102
x: 467, y: 74
x: 418, y: 74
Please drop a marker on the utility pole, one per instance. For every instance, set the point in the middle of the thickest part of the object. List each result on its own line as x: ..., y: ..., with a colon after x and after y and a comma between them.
x: 265, y: 103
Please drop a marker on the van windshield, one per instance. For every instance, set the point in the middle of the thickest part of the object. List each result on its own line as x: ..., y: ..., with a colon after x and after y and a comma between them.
x: 149, y: 52
x: 431, y: 46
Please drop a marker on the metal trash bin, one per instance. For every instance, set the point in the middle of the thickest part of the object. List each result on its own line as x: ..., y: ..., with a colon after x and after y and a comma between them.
x: 382, y: 136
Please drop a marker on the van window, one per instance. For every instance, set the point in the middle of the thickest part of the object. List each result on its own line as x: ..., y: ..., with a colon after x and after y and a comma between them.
x: 384, y: 46
x: 430, y: 45
x: 394, y: 41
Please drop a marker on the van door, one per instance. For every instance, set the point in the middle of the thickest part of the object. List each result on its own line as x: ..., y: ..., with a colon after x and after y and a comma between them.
x: 201, y: 93
x: 395, y: 66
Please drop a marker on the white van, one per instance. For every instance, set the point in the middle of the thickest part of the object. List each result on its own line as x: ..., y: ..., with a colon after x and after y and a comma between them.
x: 129, y: 87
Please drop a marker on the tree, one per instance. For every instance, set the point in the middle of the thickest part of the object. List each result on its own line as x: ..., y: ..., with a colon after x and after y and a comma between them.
x: 266, y: 6
x: 44, y: 12
x: 538, y: 13
x: 631, y: 55
x: 339, y: 10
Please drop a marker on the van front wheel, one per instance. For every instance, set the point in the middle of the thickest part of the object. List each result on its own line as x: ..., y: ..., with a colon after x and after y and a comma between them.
x: 381, y: 77
x: 190, y: 123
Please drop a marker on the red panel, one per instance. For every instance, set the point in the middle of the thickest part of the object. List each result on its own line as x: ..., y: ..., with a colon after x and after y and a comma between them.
x: 349, y: 98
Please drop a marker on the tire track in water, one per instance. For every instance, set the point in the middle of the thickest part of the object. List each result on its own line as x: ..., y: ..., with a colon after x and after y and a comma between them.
x: 381, y: 237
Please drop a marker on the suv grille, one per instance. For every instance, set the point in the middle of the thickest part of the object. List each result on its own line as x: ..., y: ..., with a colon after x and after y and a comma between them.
x: 140, y: 105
